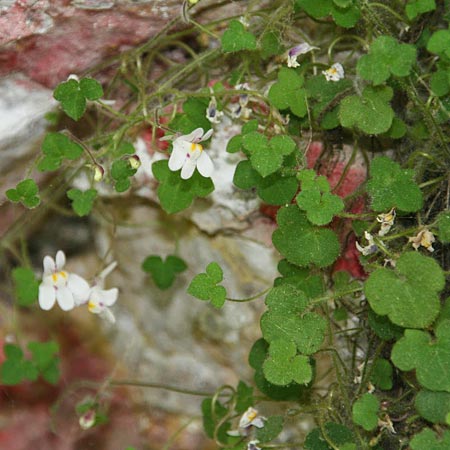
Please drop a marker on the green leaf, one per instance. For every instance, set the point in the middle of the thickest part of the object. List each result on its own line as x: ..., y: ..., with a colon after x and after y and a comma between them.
x: 337, y: 434
x: 408, y: 294
x: 273, y: 426
x: 427, y: 440
x: 176, y: 194
x: 284, y: 365
x: 383, y: 327
x: 164, y: 272
x: 382, y: 374
x: 15, y: 368
x: 386, y: 57
x: 415, y: 8
x: 300, y: 242
x: 320, y: 205
x: 56, y: 147
x: 439, y: 43
x: 271, y: 45
x: 370, y: 112
x: 433, y: 406
x: 286, y: 320
x: 25, y: 285
x: 267, y: 156
x: 287, y: 92
x: 257, y: 356
x: 444, y: 226
x: 343, y: 16
x: 204, y: 286
x: 25, y: 192
x: 91, y: 88
x: 440, y: 82
x: 213, y: 412
x: 121, y: 171
x: 45, y: 359
x: 236, y: 38
x: 364, y: 412
x: 430, y: 358
x: 391, y: 186
x: 82, y: 202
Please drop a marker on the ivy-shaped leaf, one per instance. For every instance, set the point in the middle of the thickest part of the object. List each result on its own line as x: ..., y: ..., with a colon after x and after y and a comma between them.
x: 316, y: 199
x: 176, y: 194
x: 382, y: 373
x: 433, y: 406
x: 365, y: 410
x: 440, y: 82
x: 439, y: 43
x: 56, y: 147
x: 271, y: 45
x: 344, y: 12
x: 407, y: 294
x: 237, y: 38
x: 284, y: 365
x: 213, y: 412
x: 235, y: 143
x: 386, y: 57
x: 339, y: 435
x: 73, y: 95
x: 427, y: 440
x: 164, y: 272
x: 391, y: 186
x: 45, y: 359
x: 25, y: 285
x: 192, y: 117
x: 267, y: 156
x: 15, y: 368
x: 273, y: 426
x: 82, y: 201
x: 300, y: 242
x: 274, y: 189
x: 204, y: 286
x: 286, y: 320
x: 244, y: 397
x: 415, y: 8
x: 121, y: 172
x: 429, y: 357
x: 25, y: 192
x: 288, y: 92
x: 370, y: 112
x: 383, y: 327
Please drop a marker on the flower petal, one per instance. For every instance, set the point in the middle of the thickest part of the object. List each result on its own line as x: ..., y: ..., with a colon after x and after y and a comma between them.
x: 188, y: 169
x: 79, y: 289
x: 107, y: 270
x: 65, y: 299
x: 207, y: 135
x: 204, y: 165
x: 60, y: 260
x: 194, y: 136
x: 49, y: 265
x: 47, y: 296
x: 108, y: 315
x: 177, y: 157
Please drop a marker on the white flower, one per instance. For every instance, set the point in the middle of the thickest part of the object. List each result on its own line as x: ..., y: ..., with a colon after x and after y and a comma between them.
x: 68, y: 289
x: 251, y: 417
x: 386, y: 220
x: 100, y: 299
x: 212, y: 113
x: 370, y: 248
x: 187, y: 154
x: 334, y: 73
x: 252, y: 445
x: 296, y: 51
x: 386, y: 424
x: 424, y: 238
x: 87, y: 420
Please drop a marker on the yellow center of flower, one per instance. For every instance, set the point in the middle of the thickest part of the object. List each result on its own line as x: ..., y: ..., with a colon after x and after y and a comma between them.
x: 56, y: 275
x: 252, y: 415
x: 197, y: 147
x: 91, y: 306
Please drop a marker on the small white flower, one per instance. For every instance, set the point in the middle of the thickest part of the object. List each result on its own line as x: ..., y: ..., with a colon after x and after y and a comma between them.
x: 87, y: 420
x: 68, y: 289
x: 424, y: 238
x: 370, y: 248
x: 334, y: 73
x: 187, y: 154
x: 212, y: 113
x: 251, y: 417
x: 386, y: 424
x: 252, y: 445
x: 101, y: 299
x: 386, y: 220
x: 296, y: 51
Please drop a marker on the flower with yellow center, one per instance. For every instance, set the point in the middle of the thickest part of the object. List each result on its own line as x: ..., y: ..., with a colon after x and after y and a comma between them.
x: 188, y: 154
x: 68, y: 289
x: 424, y: 238
x: 334, y: 73
x: 386, y: 220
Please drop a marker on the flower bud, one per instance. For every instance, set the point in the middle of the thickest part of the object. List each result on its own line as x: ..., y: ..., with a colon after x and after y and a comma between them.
x: 134, y: 161
x: 87, y: 420
x: 99, y: 172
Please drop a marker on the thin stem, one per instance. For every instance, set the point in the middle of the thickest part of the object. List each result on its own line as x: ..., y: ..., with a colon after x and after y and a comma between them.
x: 249, y: 299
